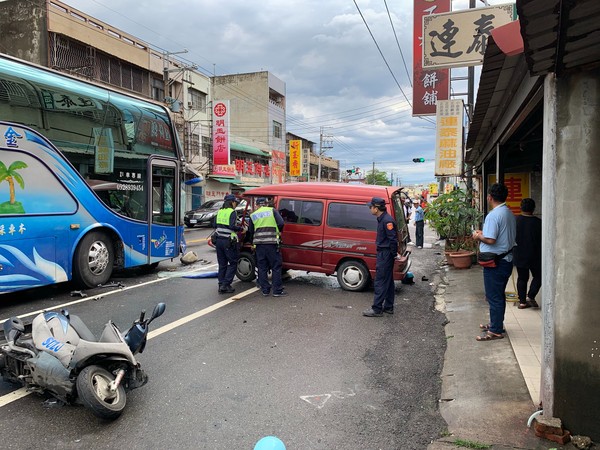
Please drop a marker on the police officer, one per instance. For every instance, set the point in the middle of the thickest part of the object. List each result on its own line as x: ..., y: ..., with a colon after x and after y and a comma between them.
x: 227, y: 243
x: 387, y: 249
x: 264, y: 229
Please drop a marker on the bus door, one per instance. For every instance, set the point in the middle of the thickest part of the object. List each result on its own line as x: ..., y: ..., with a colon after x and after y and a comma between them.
x: 163, y: 220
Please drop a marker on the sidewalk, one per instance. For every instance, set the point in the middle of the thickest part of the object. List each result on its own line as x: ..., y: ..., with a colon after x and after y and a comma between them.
x: 489, y: 389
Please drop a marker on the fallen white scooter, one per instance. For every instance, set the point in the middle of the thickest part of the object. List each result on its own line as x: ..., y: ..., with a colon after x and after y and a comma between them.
x: 58, y: 354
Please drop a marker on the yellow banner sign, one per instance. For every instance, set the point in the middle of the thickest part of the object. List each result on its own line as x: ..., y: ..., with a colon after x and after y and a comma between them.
x: 295, y: 158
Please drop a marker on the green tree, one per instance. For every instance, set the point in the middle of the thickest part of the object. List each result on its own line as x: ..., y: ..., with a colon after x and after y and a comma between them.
x: 377, y: 177
x: 10, y: 175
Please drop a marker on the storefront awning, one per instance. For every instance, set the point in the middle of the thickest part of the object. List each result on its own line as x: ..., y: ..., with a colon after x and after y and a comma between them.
x: 223, y: 180
x: 247, y: 149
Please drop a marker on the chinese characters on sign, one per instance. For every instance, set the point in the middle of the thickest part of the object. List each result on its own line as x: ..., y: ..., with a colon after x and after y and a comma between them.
x: 295, y: 158
x: 459, y: 39
x: 429, y: 85
x: 221, y: 132
x: 251, y: 168
x: 215, y: 195
x: 449, y: 138
x: 518, y: 189
x: 224, y: 169
x: 105, y: 151
x: 277, y: 166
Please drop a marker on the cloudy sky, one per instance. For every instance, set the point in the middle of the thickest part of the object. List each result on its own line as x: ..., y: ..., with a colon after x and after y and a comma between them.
x: 322, y: 49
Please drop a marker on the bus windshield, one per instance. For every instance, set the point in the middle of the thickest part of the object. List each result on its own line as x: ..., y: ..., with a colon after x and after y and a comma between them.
x: 118, y: 159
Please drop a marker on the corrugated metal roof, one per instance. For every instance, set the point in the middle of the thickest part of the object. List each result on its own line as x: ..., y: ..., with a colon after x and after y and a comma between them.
x: 496, y: 75
x: 560, y: 35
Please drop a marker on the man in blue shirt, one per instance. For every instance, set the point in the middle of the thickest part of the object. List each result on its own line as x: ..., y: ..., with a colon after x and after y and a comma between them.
x: 387, y: 250
x: 498, y: 236
x: 419, y: 225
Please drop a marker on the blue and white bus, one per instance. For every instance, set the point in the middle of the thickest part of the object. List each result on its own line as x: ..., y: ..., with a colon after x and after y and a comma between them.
x: 90, y: 180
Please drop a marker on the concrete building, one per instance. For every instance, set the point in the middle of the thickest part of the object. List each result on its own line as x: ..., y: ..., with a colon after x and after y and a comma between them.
x: 55, y: 35
x: 257, y: 132
x: 330, y: 168
x: 537, y: 121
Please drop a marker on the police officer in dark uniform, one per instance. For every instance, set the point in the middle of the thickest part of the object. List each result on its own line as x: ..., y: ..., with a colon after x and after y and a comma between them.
x: 264, y: 229
x: 387, y: 249
x: 227, y: 243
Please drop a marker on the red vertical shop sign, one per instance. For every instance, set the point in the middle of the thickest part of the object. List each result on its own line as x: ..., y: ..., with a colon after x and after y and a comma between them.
x: 429, y: 86
x: 221, y: 132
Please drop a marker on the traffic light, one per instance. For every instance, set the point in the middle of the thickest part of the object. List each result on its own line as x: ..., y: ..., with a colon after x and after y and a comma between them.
x: 418, y: 160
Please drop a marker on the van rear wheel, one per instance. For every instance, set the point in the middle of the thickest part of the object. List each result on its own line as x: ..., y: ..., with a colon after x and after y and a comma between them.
x: 353, y: 276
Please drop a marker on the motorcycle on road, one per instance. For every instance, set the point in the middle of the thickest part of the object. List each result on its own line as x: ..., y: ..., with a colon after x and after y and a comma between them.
x: 58, y: 354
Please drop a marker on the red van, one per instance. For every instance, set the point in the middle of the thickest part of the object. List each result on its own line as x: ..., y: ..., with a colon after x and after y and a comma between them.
x: 329, y: 229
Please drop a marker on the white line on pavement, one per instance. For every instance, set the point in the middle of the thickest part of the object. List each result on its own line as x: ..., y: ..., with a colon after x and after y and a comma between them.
x: 107, y: 293
x: 22, y: 392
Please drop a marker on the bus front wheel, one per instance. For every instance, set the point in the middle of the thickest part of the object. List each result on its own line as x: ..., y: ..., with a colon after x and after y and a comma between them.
x: 94, y: 258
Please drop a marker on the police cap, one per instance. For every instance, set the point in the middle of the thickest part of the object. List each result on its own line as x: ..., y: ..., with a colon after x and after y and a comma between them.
x: 377, y: 201
x: 261, y: 201
x: 230, y: 198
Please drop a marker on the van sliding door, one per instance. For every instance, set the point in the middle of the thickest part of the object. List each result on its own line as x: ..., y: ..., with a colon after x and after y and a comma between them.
x: 303, y: 243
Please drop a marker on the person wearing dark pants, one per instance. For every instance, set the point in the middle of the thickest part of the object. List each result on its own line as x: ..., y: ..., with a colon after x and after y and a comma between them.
x: 264, y: 230
x: 419, y: 225
x: 527, y: 255
x: 387, y: 250
x: 226, y: 229
x: 498, y: 237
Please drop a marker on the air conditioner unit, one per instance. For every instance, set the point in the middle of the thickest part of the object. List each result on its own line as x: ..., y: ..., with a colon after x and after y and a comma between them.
x: 190, y: 104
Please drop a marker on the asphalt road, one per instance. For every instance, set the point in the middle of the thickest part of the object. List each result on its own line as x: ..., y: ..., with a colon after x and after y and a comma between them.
x: 308, y: 368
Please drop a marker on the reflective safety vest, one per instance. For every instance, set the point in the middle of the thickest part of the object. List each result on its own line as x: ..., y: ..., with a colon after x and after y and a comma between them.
x: 265, y: 226
x: 223, y: 230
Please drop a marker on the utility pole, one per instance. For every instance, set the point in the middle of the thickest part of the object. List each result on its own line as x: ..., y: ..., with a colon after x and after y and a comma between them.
x: 373, y: 172
x: 325, y: 143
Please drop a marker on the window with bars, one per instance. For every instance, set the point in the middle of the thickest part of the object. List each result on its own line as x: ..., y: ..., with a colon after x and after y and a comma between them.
x: 81, y: 60
x: 277, y: 129
x: 197, y: 99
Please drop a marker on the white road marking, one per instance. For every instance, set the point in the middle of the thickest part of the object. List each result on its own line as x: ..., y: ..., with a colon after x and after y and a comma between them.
x: 316, y: 400
x: 14, y: 395
x: 22, y: 392
x: 107, y: 293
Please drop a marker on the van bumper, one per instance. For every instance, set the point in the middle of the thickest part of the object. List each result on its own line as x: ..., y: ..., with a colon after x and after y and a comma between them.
x: 402, y: 265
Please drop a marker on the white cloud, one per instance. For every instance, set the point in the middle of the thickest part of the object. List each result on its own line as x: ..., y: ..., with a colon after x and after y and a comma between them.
x: 334, y: 74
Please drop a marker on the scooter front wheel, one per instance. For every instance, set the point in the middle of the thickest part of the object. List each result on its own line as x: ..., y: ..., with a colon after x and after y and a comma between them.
x: 93, y: 388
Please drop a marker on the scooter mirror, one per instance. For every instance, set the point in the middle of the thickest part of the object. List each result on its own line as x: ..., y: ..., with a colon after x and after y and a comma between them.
x: 158, y: 310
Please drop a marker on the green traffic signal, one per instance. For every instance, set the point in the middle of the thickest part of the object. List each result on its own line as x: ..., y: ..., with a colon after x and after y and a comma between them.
x: 418, y: 160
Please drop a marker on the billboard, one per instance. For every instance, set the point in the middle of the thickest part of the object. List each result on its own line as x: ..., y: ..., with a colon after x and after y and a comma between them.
x: 428, y: 85
x: 459, y: 38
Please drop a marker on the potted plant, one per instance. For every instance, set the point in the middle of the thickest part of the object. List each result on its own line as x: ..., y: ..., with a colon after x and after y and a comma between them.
x: 453, y: 217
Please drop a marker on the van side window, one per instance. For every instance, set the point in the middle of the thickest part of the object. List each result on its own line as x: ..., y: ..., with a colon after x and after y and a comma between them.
x: 352, y: 216
x: 301, y: 211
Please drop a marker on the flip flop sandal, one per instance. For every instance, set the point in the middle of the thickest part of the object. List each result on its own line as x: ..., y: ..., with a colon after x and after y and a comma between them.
x: 486, y: 327
x: 489, y: 336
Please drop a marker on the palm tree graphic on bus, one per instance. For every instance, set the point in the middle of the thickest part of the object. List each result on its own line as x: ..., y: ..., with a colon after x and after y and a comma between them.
x: 10, y: 175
